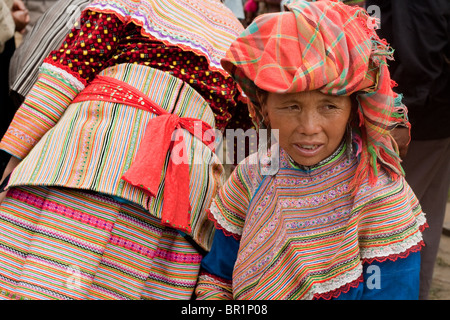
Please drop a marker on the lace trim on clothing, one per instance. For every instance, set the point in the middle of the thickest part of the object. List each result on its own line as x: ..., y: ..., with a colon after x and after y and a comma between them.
x: 336, y: 293
x: 334, y: 287
x: 394, y: 257
x: 65, y: 73
x: 393, y: 250
x: 222, y: 224
x: 422, y: 221
x: 345, y: 288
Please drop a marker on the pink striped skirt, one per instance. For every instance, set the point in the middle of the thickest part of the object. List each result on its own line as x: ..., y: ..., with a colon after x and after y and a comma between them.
x: 58, y: 243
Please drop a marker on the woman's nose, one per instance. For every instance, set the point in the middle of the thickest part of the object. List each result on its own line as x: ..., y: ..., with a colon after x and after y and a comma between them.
x: 309, y: 123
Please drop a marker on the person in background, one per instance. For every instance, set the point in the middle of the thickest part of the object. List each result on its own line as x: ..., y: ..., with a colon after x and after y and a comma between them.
x: 6, y: 23
x: 237, y: 7
x: 46, y: 35
x: 36, y: 8
x: 338, y: 220
x: 254, y: 8
x: 14, y: 17
x: 98, y: 208
x: 419, y: 31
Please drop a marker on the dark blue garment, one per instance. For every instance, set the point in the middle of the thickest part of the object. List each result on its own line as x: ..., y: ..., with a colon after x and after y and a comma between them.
x: 389, y: 280
x: 220, y: 260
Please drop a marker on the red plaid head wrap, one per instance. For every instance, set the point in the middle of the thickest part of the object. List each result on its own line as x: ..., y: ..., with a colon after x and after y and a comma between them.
x: 330, y: 47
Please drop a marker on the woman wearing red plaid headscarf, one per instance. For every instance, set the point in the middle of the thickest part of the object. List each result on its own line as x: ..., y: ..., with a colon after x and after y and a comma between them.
x: 338, y: 220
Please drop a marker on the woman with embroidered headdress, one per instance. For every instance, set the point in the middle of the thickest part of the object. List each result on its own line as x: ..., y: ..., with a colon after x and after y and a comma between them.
x: 95, y: 207
x: 338, y: 220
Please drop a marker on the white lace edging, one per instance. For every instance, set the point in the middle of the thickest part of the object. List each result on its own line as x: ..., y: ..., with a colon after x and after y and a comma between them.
x: 421, y: 219
x: 222, y: 221
x: 65, y: 75
x: 335, y: 283
x: 391, y: 249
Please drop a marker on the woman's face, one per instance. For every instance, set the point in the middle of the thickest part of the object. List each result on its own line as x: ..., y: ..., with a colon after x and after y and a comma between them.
x: 311, y: 124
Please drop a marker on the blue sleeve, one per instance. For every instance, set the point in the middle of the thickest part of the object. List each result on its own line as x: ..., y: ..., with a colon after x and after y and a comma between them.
x: 388, y: 280
x: 220, y: 260
x: 393, y: 280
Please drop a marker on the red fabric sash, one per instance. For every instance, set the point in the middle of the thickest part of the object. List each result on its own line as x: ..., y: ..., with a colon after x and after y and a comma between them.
x: 160, y: 138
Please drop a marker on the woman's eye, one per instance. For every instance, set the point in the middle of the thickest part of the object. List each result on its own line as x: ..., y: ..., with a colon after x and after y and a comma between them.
x: 330, y: 107
x: 293, y: 107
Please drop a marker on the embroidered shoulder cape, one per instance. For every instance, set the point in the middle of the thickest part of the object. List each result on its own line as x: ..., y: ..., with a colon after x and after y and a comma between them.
x: 303, y: 234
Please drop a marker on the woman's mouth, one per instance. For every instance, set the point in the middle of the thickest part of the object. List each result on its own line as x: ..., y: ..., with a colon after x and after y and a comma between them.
x: 308, y: 150
x: 309, y: 147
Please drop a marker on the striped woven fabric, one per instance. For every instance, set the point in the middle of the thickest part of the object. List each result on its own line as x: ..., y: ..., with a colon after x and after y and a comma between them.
x: 89, y: 148
x: 66, y: 244
x: 206, y: 27
x: 112, y: 39
x: 36, y: 45
x: 305, y: 234
x: 45, y: 104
